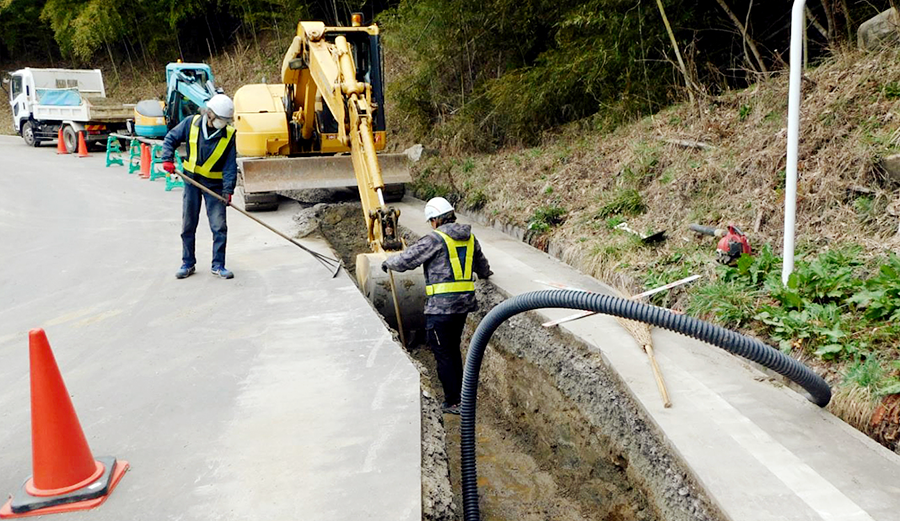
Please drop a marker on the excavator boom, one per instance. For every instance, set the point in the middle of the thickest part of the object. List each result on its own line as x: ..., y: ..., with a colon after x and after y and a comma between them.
x: 298, y: 133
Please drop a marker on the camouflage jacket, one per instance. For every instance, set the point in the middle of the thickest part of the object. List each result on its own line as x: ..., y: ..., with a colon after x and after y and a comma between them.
x: 431, y: 251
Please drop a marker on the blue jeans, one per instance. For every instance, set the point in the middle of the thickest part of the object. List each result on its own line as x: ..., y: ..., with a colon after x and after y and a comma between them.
x: 190, y: 216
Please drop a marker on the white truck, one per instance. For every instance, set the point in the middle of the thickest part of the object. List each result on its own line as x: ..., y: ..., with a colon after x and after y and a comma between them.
x: 44, y: 101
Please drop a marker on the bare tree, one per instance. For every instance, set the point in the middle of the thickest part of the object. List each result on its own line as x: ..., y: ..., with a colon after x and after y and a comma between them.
x: 687, y: 78
x: 748, y: 42
x: 822, y: 30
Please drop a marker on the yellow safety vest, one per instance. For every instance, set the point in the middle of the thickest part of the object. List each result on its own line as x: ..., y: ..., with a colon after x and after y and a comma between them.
x: 206, y: 168
x: 462, y: 277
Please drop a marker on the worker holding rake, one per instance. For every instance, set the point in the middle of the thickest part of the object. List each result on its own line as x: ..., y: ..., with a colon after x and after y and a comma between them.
x: 212, y: 162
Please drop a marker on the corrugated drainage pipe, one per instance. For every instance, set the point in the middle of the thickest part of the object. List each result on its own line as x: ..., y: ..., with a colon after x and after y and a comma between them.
x: 730, y: 341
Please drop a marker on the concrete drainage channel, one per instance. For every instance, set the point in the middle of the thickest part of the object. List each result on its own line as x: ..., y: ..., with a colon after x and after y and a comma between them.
x: 558, y: 438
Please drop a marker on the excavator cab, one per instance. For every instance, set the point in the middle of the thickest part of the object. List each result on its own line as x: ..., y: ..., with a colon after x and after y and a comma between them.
x: 366, y: 50
x: 288, y: 135
x: 188, y: 87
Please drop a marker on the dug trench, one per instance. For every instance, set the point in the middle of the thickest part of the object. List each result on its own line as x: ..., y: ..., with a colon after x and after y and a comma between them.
x: 558, y: 437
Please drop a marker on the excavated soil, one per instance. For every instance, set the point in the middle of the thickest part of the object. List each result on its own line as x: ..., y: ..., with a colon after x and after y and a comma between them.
x: 557, y: 435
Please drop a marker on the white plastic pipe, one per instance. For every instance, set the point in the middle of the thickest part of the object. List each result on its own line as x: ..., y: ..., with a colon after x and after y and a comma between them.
x: 793, y: 138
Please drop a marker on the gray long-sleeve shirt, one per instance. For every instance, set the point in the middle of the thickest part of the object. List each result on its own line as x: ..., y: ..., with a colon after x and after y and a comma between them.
x: 431, y: 252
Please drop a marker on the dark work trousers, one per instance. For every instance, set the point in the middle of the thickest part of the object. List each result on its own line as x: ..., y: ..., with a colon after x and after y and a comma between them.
x: 444, y: 333
x: 215, y: 213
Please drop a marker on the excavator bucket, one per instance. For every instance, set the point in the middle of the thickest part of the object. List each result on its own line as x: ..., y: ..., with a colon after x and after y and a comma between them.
x: 274, y: 174
x: 409, y: 287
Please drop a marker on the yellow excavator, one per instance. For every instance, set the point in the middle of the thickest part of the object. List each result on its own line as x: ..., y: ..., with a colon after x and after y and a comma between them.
x: 296, y: 135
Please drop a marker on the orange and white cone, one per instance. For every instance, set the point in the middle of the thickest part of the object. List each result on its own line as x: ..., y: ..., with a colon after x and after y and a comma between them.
x: 82, y: 146
x: 66, y: 475
x: 61, y: 143
x: 145, y: 161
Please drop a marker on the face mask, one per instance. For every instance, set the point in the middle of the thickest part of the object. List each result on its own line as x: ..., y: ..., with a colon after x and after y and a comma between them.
x: 219, y: 123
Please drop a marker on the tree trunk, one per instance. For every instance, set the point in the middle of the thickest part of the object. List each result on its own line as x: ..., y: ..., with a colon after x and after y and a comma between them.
x: 687, y: 78
x: 214, y: 48
x: 747, y: 40
x: 829, y: 19
x: 815, y: 23
x: 847, y: 20
x: 113, y: 61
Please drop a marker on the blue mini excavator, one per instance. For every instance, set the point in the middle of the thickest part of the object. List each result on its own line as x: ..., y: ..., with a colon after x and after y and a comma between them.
x: 188, y: 87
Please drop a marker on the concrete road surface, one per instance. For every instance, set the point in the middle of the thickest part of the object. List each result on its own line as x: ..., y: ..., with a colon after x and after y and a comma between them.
x: 278, y: 395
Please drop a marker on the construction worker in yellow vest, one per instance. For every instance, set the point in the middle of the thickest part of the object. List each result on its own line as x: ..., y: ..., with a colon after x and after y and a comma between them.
x: 451, y: 256
x: 212, y: 162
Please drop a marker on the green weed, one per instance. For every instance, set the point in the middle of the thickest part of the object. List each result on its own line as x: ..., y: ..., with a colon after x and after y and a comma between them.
x: 614, y: 221
x: 546, y: 217
x: 731, y: 303
x: 744, y: 112
x: 476, y: 199
x: 867, y: 373
x: 891, y: 90
x: 863, y: 206
x: 623, y: 202
x: 468, y: 165
x: 880, y: 295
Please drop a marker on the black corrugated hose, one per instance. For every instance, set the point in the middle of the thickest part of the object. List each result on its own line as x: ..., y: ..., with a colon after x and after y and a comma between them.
x: 730, y: 341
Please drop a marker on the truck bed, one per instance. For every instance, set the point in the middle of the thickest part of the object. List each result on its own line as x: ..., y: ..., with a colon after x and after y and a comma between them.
x: 93, y: 109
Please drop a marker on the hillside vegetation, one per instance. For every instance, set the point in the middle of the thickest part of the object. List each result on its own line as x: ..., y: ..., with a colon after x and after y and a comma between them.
x: 722, y: 161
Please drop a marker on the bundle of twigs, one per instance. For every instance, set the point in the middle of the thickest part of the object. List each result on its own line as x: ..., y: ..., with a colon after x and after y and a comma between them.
x: 639, y: 330
x: 641, y: 333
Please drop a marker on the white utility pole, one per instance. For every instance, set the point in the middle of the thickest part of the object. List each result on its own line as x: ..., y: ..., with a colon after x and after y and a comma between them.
x: 798, y: 21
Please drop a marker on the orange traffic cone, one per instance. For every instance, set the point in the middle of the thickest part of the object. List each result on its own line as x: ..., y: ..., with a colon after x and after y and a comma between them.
x: 66, y: 476
x: 82, y: 146
x: 145, y: 161
x: 61, y: 143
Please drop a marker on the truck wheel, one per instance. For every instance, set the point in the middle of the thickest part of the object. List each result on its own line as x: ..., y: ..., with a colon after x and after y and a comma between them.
x: 28, y: 134
x: 70, y: 137
x: 261, y: 202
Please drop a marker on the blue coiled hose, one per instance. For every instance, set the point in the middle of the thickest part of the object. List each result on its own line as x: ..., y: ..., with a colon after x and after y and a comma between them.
x: 728, y: 340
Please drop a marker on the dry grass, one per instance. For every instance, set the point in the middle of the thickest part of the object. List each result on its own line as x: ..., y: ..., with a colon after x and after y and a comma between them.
x: 855, y: 405
x: 850, y: 119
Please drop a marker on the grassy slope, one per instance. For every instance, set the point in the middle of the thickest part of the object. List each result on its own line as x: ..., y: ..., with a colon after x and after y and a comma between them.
x: 572, y: 190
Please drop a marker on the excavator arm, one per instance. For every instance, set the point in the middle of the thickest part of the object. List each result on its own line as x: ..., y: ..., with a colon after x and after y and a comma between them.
x: 315, y: 67
x: 328, y: 103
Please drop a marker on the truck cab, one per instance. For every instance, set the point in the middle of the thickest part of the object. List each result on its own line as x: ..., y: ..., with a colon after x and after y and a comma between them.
x: 19, y: 93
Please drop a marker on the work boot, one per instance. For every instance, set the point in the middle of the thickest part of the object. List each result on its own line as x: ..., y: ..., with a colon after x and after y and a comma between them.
x: 184, y: 272
x: 450, y: 409
x: 221, y: 271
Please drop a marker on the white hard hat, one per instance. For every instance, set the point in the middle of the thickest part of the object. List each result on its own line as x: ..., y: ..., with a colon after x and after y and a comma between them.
x: 437, y: 207
x: 221, y: 105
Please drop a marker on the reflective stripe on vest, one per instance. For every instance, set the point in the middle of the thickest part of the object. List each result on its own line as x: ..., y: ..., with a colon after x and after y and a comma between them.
x: 462, y: 277
x: 206, y: 168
